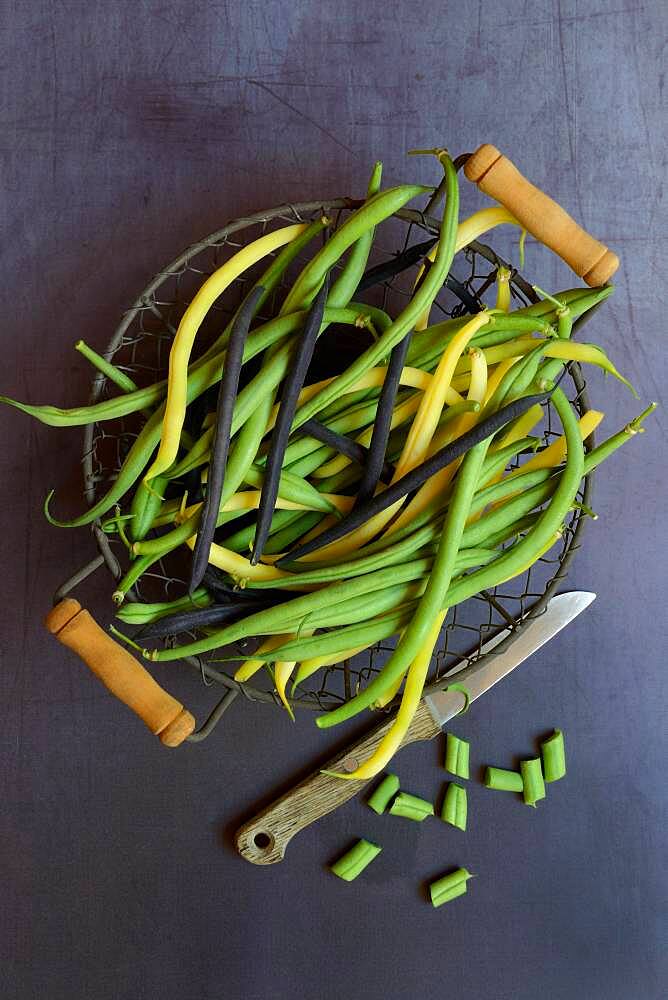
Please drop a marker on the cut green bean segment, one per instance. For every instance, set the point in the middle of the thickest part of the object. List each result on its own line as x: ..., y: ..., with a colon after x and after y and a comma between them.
x: 456, y: 756
x: 449, y: 887
x: 382, y: 795
x: 455, y: 806
x: 411, y: 807
x: 554, y: 756
x: 532, y: 781
x: 355, y: 860
x: 503, y: 781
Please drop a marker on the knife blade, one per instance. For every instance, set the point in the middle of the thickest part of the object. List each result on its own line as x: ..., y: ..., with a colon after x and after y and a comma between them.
x: 479, y: 676
x: 264, y: 839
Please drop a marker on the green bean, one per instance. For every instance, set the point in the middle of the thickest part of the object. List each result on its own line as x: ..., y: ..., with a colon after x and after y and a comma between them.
x: 136, y: 570
x: 196, y: 456
x: 455, y: 806
x: 275, y: 619
x: 241, y: 539
x: 341, y: 639
x: 307, y: 573
x: 429, y: 359
x: 145, y: 507
x: 355, y: 860
x: 146, y: 504
x: 267, y: 281
x: 456, y: 756
x: 445, y: 889
x: 313, y: 460
x: 346, y: 284
x: 271, y: 375
x: 532, y: 781
x: 425, y: 522
x: 381, y: 796
x: 138, y: 613
x: 578, y: 300
x: 347, y: 401
x: 348, y: 413
x: 338, y: 641
x: 496, y: 461
x: 503, y: 781
x: 350, y: 476
x: 295, y: 488
x: 606, y: 448
x: 201, y: 376
x: 341, y: 482
x: 505, y: 391
x: 352, y: 611
x: 476, y: 437
x: 507, y: 531
x: 411, y: 807
x: 526, y: 372
x: 476, y: 533
x: 352, y: 567
x: 509, y: 486
x: 109, y: 370
x: 554, y: 756
x: 373, y: 211
x: 282, y: 539
x: 428, y: 518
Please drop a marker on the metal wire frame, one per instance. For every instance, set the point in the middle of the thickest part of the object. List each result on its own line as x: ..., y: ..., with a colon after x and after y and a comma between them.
x: 140, y: 346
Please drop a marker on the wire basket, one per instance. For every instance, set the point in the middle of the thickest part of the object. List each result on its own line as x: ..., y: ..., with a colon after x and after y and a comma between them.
x: 140, y: 347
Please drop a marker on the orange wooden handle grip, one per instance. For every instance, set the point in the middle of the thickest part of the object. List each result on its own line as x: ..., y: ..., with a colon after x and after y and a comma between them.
x: 498, y: 177
x: 120, y: 672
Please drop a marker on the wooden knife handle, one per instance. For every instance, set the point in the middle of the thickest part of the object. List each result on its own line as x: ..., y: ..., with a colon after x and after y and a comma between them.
x: 120, y: 672
x: 264, y: 839
x: 498, y: 177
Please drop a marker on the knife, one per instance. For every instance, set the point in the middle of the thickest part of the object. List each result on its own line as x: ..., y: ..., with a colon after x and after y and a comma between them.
x: 264, y: 839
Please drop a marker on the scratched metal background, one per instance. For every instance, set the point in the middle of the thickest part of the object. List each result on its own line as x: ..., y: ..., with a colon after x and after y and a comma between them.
x: 128, y: 129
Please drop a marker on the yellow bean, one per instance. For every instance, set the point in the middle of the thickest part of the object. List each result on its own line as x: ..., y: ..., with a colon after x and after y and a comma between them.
x: 435, y: 486
x: 182, y: 344
x: 467, y: 231
x: 415, y: 680
x: 250, y: 667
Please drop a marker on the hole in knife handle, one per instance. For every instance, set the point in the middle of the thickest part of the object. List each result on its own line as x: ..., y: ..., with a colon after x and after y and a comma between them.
x: 263, y: 841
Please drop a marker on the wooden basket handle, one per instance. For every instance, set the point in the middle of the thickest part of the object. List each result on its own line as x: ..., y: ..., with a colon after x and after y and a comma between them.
x: 120, y: 672
x: 498, y: 177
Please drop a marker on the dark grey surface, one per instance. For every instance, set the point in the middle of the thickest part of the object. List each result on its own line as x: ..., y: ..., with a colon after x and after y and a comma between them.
x: 129, y: 129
